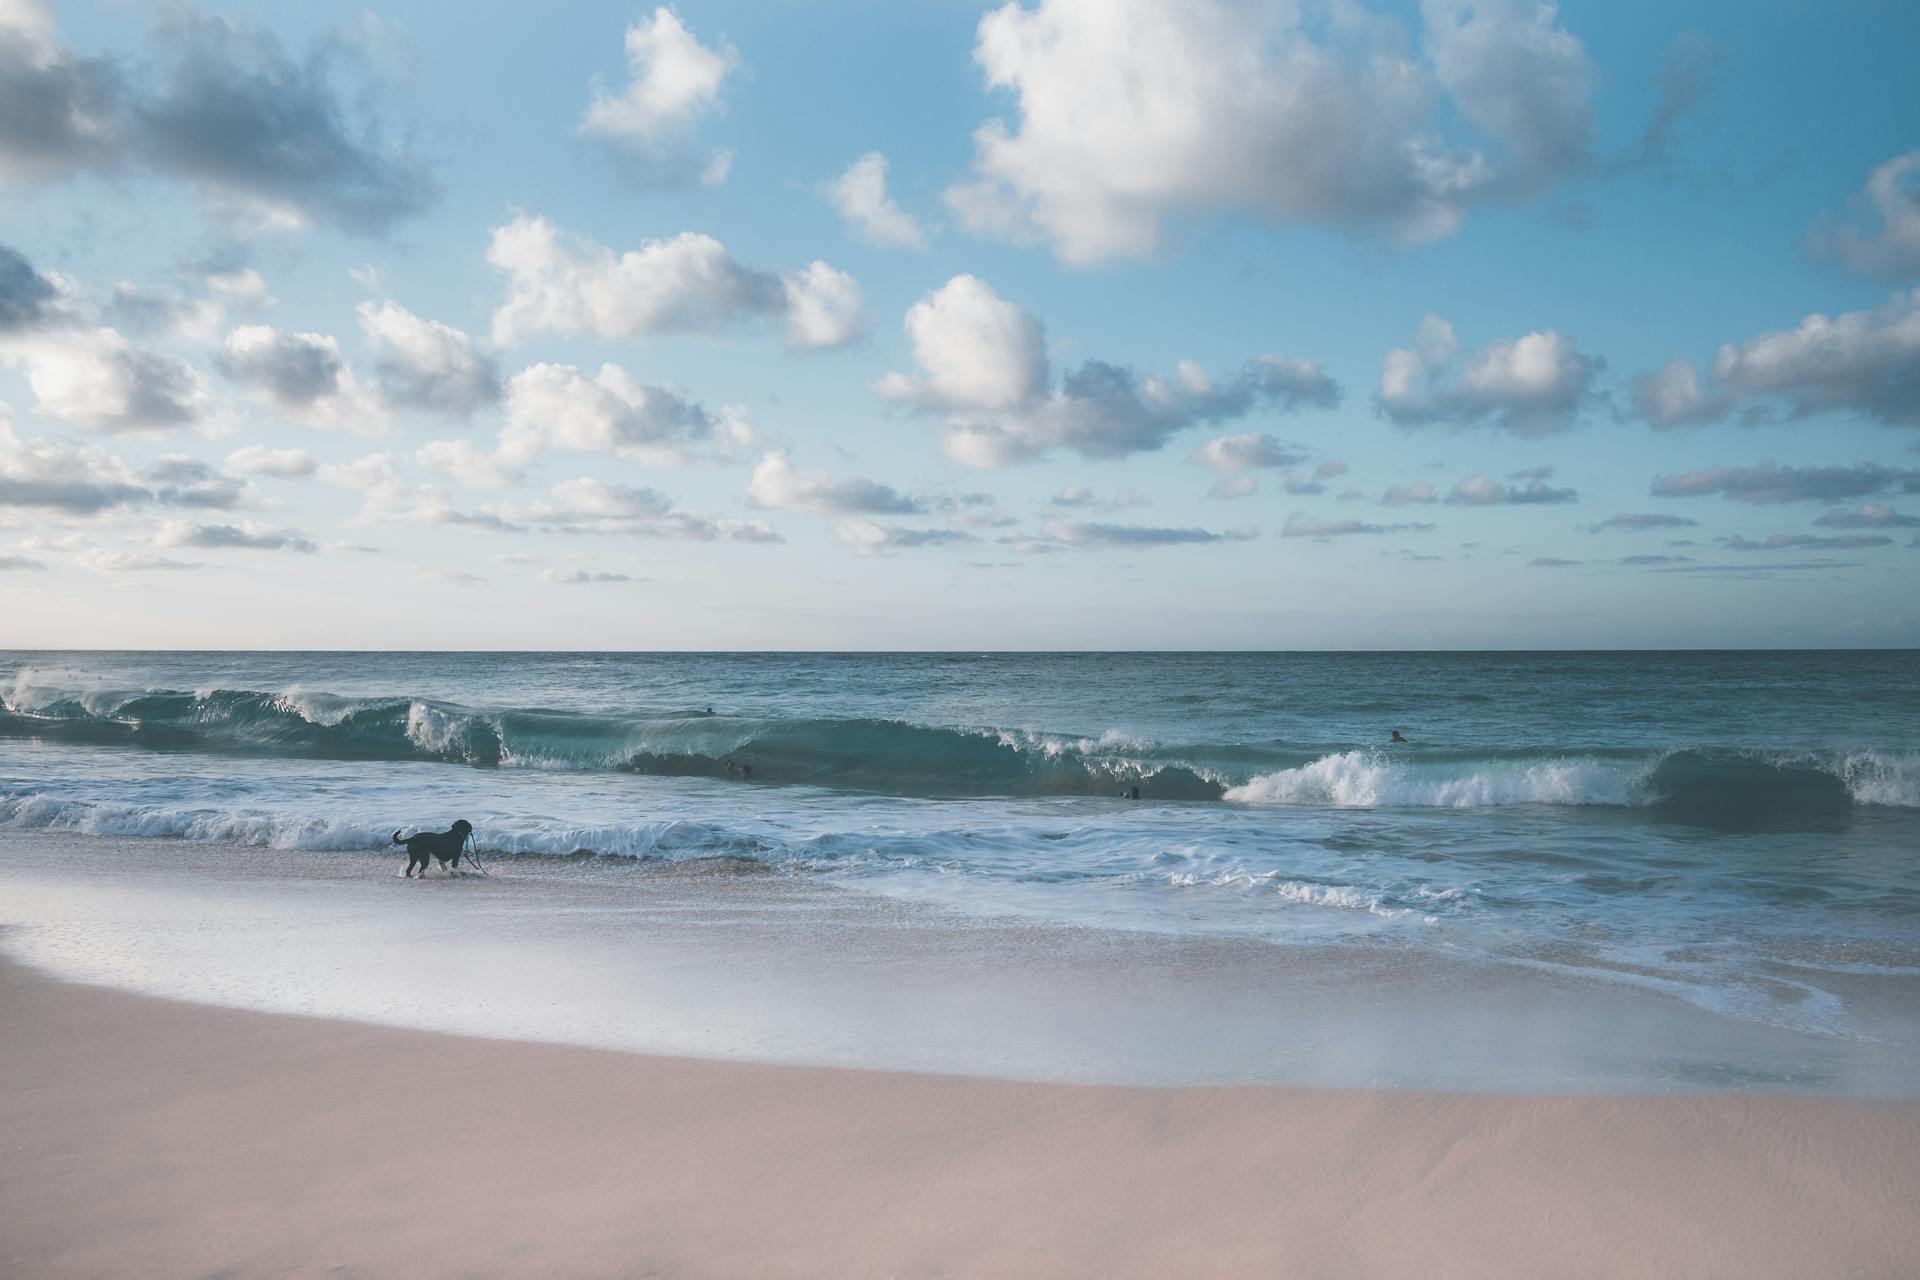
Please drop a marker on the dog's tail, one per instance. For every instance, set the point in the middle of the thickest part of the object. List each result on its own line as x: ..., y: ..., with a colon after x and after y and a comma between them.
x: 396, y: 836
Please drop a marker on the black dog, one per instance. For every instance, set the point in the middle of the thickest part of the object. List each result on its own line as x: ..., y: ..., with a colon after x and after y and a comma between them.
x: 445, y: 845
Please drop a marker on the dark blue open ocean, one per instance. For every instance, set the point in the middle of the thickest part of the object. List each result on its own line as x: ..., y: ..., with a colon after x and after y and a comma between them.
x: 1733, y: 829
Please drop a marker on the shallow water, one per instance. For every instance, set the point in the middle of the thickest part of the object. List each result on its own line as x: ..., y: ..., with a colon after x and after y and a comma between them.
x: 1738, y: 834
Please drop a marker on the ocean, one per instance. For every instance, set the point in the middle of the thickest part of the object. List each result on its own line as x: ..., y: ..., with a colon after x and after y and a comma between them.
x: 1732, y: 834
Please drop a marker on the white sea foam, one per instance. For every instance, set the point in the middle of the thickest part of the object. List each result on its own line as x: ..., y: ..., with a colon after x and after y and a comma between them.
x: 1370, y: 779
x: 1885, y: 778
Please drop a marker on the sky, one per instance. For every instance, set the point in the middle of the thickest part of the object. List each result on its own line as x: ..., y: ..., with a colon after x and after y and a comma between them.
x: 1064, y: 324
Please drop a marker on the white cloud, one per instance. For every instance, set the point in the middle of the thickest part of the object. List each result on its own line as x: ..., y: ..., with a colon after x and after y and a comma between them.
x: 1892, y: 197
x: 242, y: 285
x: 246, y: 536
x: 425, y: 364
x: 983, y: 364
x: 688, y: 284
x: 1519, y: 77
x: 589, y: 505
x: 1134, y: 111
x: 61, y: 477
x: 779, y: 485
x: 869, y: 539
x: 465, y: 462
x: 300, y: 376
x: 285, y: 464
x: 559, y: 406
x: 651, y: 123
x: 97, y: 380
x: 145, y: 311
x: 1528, y: 386
x: 104, y: 560
x: 1858, y: 361
x: 1234, y: 456
x: 975, y: 349
x: 860, y: 196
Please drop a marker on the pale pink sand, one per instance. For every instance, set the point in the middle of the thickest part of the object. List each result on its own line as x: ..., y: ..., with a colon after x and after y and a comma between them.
x: 152, y: 1138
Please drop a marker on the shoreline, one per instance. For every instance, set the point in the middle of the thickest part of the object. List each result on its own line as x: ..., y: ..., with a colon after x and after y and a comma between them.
x: 724, y: 962
x: 166, y: 1138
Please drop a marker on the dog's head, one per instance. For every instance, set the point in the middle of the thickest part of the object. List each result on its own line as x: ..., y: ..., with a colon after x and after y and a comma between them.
x: 463, y: 828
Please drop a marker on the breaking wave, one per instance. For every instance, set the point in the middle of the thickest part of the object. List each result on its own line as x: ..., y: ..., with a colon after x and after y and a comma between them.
x: 1714, y: 786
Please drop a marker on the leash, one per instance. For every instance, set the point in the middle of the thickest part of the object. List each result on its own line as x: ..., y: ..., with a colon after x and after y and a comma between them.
x: 473, y: 856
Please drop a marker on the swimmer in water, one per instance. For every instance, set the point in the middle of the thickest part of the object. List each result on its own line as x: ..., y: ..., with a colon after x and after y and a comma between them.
x: 1397, y: 738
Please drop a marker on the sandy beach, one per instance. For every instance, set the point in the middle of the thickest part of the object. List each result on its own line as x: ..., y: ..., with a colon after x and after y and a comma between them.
x: 161, y: 1138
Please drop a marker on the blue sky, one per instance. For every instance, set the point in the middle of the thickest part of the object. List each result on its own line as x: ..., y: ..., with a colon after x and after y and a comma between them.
x: 746, y: 326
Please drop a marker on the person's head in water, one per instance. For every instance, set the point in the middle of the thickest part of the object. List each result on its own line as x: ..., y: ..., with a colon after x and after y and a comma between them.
x: 1396, y: 737
x: 1133, y: 793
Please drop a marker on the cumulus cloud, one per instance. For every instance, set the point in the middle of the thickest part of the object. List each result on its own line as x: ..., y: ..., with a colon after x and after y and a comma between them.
x: 427, y: 365
x: 868, y: 538
x: 10, y: 561
x: 651, y: 125
x: 976, y: 351
x: 1869, y: 515
x: 389, y: 499
x: 300, y: 376
x: 1636, y: 522
x: 235, y: 115
x: 61, y: 477
x: 282, y: 464
x: 472, y: 466
x: 1528, y: 386
x: 780, y: 486
x: 860, y: 196
x: 687, y: 284
x: 1300, y: 526
x: 983, y: 365
x: 58, y: 111
x: 97, y: 380
x: 223, y: 107
x: 558, y: 406
x: 1233, y: 456
x: 1890, y: 203
x: 145, y: 312
x: 1856, y: 362
x: 1132, y: 113
x: 1772, y: 483
x: 1478, y: 491
x: 182, y: 481
x: 246, y: 536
